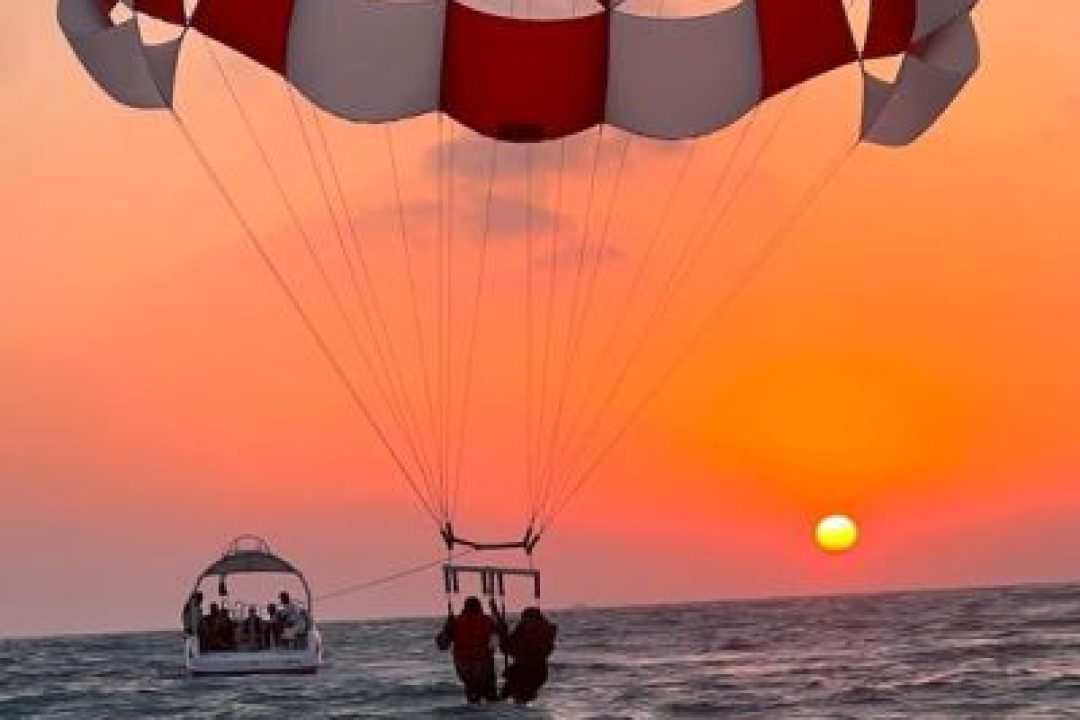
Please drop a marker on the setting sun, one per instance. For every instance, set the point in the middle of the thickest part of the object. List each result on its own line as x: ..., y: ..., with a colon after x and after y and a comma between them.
x: 836, y: 533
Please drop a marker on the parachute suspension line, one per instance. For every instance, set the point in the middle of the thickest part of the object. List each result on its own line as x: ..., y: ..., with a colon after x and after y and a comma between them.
x: 596, y: 378
x: 552, y: 286
x: 448, y: 585
x: 682, y: 267
x: 554, y: 262
x: 598, y: 259
x: 568, y: 351
x: 421, y: 346
x: 599, y: 415
x: 308, y: 242
x: 432, y: 502
x: 437, y: 393
x: 393, y: 377
x: 632, y: 291
x: 383, y: 345
x: 294, y: 301
x: 440, y: 323
x: 690, y: 250
x: 452, y: 477
x: 590, y: 292
x: 570, y: 458
x: 279, y: 186
x: 530, y: 458
x: 474, y: 320
x: 406, y: 415
x: 687, y: 260
x: 697, y: 240
x: 766, y: 253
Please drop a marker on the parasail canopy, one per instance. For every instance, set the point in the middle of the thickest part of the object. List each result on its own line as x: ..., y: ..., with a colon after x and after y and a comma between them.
x: 533, y: 90
x: 530, y: 80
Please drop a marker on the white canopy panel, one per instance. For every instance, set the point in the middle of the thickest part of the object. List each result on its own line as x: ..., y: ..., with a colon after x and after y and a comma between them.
x: 682, y: 77
x: 368, y: 60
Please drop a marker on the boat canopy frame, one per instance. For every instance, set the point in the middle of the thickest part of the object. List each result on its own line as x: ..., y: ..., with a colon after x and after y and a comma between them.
x: 251, y: 554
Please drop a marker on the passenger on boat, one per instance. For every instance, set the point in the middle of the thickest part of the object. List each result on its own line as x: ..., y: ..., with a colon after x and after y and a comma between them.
x: 226, y: 629
x: 273, y: 626
x: 216, y: 633
x: 303, y: 625
x: 530, y: 644
x: 469, y: 634
x: 206, y: 627
x: 293, y: 621
x: 192, y: 614
x: 251, y: 630
x: 288, y: 610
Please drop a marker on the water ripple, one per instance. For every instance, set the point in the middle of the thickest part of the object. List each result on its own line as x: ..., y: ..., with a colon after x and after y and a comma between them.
x: 1012, y: 652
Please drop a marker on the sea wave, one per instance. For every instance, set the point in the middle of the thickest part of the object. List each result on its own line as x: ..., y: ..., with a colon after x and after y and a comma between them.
x: 1011, y: 652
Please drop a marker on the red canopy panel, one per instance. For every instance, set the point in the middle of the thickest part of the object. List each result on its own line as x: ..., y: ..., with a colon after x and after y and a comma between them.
x: 524, y: 80
x: 892, y: 24
x: 801, y: 39
x: 171, y: 11
x: 261, y: 33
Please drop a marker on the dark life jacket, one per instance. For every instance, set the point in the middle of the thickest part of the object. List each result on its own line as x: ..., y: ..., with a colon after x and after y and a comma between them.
x: 532, y: 640
x: 471, y: 636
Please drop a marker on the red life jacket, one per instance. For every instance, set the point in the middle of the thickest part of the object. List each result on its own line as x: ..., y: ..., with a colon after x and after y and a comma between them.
x: 472, y: 637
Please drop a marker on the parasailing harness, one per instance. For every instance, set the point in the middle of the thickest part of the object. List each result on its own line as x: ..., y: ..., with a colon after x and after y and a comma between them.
x: 492, y: 577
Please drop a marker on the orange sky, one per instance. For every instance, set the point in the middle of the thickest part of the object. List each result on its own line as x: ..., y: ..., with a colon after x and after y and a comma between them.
x: 909, y: 357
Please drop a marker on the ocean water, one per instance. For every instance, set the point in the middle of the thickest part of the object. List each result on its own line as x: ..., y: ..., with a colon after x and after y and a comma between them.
x: 1006, y: 652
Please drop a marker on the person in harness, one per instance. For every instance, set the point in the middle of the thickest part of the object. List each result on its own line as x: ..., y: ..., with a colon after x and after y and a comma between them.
x: 468, y: 635
x: 528, y: 645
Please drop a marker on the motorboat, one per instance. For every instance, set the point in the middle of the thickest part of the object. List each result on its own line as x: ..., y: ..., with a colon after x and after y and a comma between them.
x: 235, y: 638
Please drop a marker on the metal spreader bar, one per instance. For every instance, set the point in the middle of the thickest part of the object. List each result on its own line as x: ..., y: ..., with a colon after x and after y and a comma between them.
x: 492, y: 579
x: 526, y: 543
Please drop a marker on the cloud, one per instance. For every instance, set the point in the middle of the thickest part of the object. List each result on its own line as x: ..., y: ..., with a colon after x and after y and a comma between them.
x: 568, y: 255
x: 510, y: 216
x: 508, y: 222
x: 472, y: 154
x: 505, y: 217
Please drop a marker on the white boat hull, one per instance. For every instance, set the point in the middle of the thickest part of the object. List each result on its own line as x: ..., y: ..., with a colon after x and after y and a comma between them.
x: 257, y: 662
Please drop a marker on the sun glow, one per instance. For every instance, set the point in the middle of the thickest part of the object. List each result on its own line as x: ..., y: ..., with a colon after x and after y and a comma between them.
x: 836, y: 533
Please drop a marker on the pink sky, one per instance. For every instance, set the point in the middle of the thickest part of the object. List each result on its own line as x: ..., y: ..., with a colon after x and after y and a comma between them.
x: 910, y: 357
